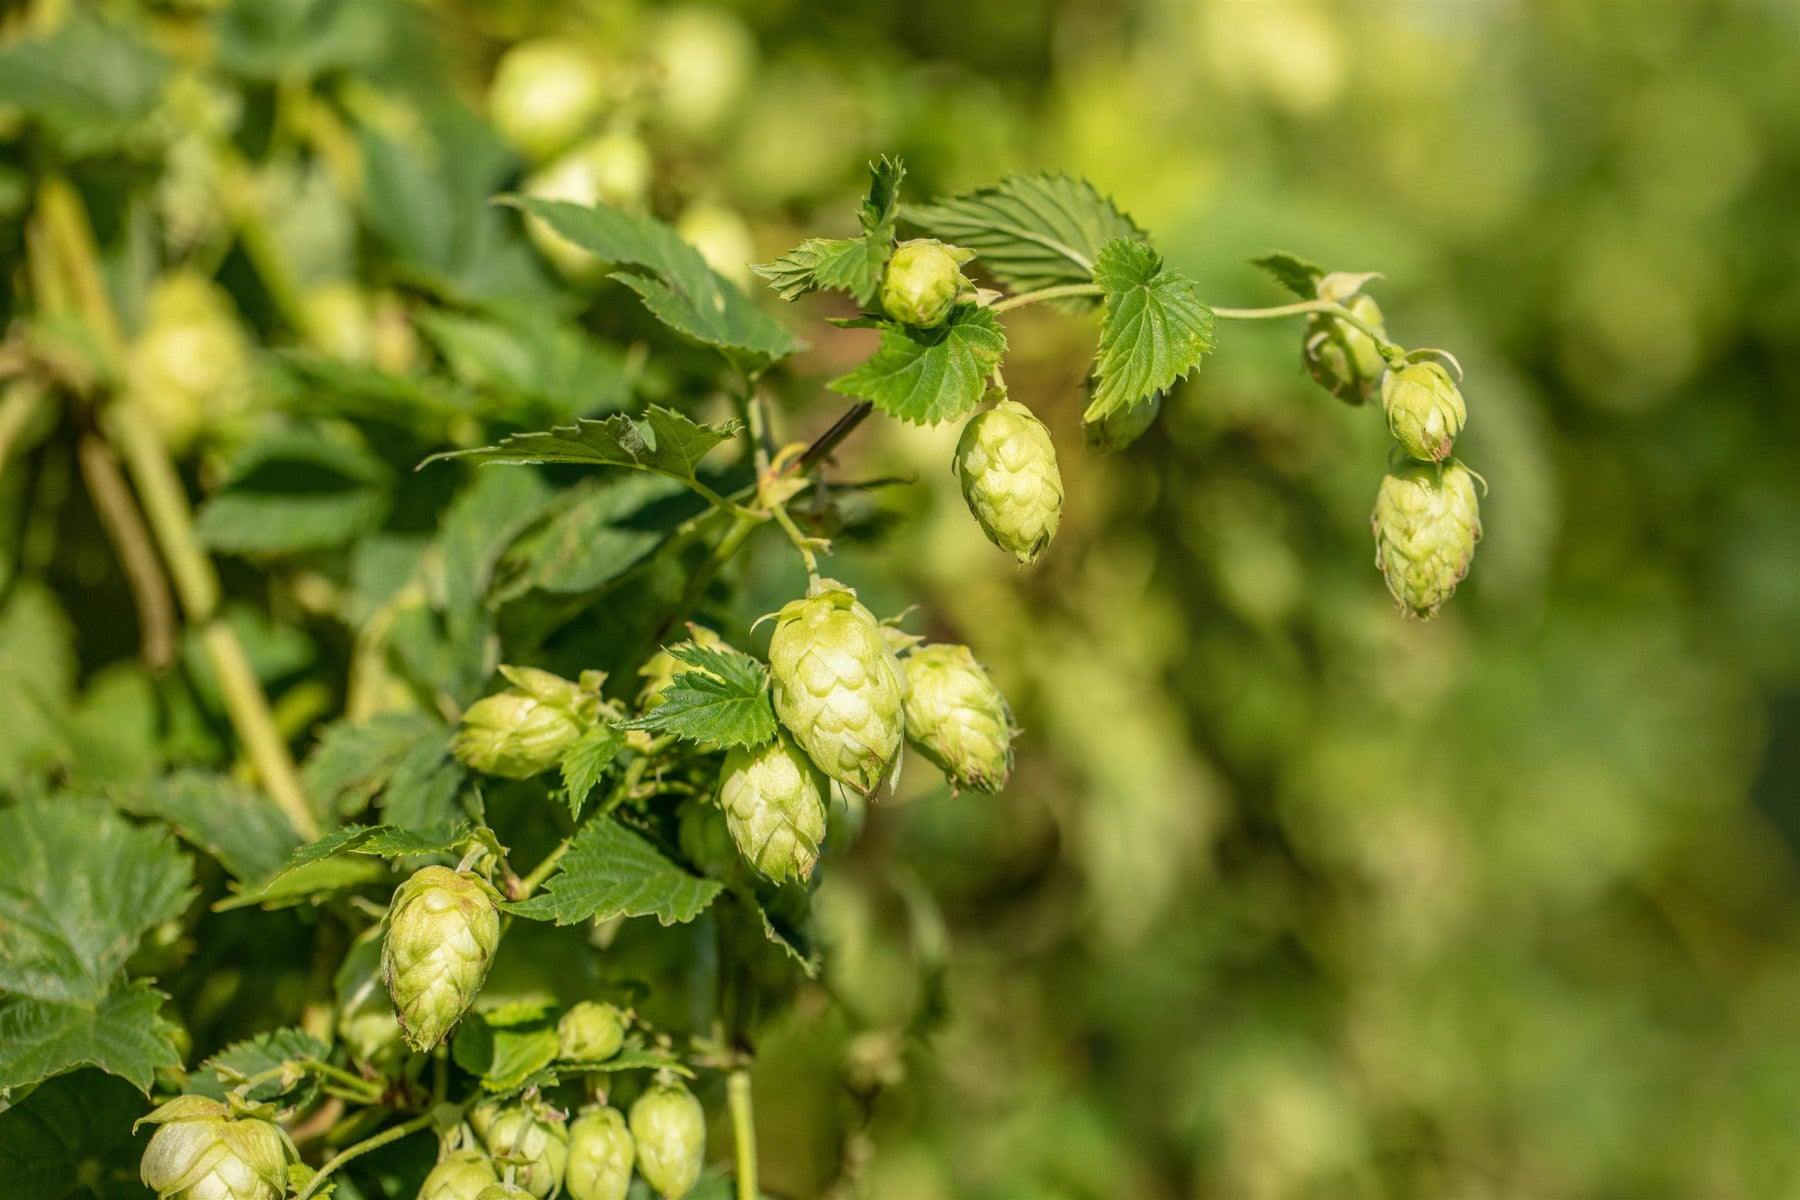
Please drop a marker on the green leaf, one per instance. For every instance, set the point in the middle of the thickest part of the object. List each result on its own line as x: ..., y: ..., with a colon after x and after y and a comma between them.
x: 1156, y: 329
x: 252, y: 1056
x: 1030, y: 231
x: 342, y: 859
x: 380, y: 841
x: 294, y: 490
x: 602, y: 528
x: 930, y: 375
x: 237, y: 825
x: 122, y: 1032
x: 672, y: 279
x: 72, y: 1128
x: 662, y: 441
x: 554, y: 364
x: 610, y: 871
x: 400, y: 756
x: 586, y: 760
x: 306, y: 884
x: 640, y: 1058
x: 723, y: 702
x: 851, y: 265
x: 90, y: 85
x: 1292, y: 272
x: 504, y: 1056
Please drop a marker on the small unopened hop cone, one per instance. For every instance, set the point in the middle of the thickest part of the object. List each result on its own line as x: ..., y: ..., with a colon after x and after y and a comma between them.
x: 1341, y: 358
x: 669, y: 1127
x: 1007, y: 465
x: 442, y: 932
x: 774, y: 802
x: 202, y: 1152
x: 590, y: 1032
x: 533, y: 1143
x: 461, y: 1176
x: 957, y: 718
x: 1427, y: 520
x: 1425, y: 410
x: 601, y: 1151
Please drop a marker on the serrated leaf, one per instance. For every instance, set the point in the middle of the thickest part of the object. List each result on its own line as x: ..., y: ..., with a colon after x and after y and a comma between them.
x: 1030, y: 231
x: 74, y: 1127
x: 662, y: 441
x: 122, y: 1032
x: 672, y: 279
x: 602, y: 528
x: 586, y: 760
x: 1292, y: 272
x: 851, y: 265
x: 503, y: 1057
x: 355, y: 760
x: 237, y: 825
x: 306, y: 884
x: 610, y: 871
x: 294, y: 490
x: 342, y: 859
x: 639, y: 1058
x: 798, y: 949
x: 380, y: 841
x: 1155, y: 331
x: 724, y: 702
x: 252, y: 1056
x: 929, y: 375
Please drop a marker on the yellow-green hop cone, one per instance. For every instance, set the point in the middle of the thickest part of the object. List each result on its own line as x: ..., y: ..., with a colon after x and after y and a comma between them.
x: 1343, y: 359
x: 546, y: 93
x: 836, y: 685
x: 442, y: 932
x: 1007, y: 465
x: 774, y: 802
x: 669, y: 1127
x: 1425, y: 410
x: 1117, y: 430
x: 957, y: 718
x: 601, y: 1151
x: 1427, y: 521
x: 590, y: 1032
x: 504, y: 1191
x: 662, y: 668
x: 923, y: 281
x: 201, y: 1152
x: 535, y: 1145
x: 190, y: 369
x: 462, y: 1176
x: 523, y: 730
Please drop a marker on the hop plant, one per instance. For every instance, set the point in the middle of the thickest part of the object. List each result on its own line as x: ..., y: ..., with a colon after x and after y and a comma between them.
x: 923, y: 280
x: 774, y: 802
x: 1341, y: 358
x: 442, y: 932
x: 534, y: 1143
x: 669, y: 1127
x: 461, y: 1176
x: 1007, y: 465
x: 590, y: 1032
x: 201, y: 1151
x: 1425, y: 409
x: 836, y: 685
x: 522, y: 731
x: 601, y: 1151
x: 1427, y: 521
x: 366, y: 1023
x: 957, y: 718
x: 545, y: 94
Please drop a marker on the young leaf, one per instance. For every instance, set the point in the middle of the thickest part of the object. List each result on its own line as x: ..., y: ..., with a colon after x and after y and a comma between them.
x: 929, y: 375
x: 1292, y: 272
x: 662, y: 441
x: 851, y: 265
x: 723, y: 702
x: 610, y: 871
x: 586, y: 760
x: 1030, y: 231
x: 1155, y: 331
x: 503, y: 1056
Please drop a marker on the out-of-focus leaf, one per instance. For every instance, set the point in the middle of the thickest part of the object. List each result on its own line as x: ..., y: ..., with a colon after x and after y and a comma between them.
x: 554, y: 365
x: 91, y: 85
x: 71, y: 1129
x: 240, y: 827
x: 929, y: 375
x: 271, y: 40
x: 354, y: 760
x: 610, y: 871
x: 601, y: 530
x: 294, y: 490
x: 1156, y: 329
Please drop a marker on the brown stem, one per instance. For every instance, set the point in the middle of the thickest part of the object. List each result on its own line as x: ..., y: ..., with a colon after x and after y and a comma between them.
x: 828, y: 441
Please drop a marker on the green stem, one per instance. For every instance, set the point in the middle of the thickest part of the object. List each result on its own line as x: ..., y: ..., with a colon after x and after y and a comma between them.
x: 743, y: 1131
x: 800, y: 540
x: 541, y: 872
x: 422, y: 1121
x: 1060, y: 292
x: 1301, y: 308
x: 701, y: 579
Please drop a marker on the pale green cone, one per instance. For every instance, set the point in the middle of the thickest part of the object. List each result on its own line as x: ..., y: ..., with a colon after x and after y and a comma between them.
x: 1007, y: 465
x: 200, y: 1152
x: 1427, y: 521
x: 442, y: 932
x: 1117, y: 430
x: 774, y: 802
x: 660, y: 671
x: 590, y: 1032
x: 504, y: 1191
x: 669, y: 1127
x: 1343, y: 359
x: 191, y: 367
x: 836, y: 685
x: 957, y: 718
x: 601, y: 1151
x: 462, y: 1176
x: 546, y: 93
x: 923, y: 280
x: 535, y: 1145
x: 523, y: 730
x: 1425, y: 410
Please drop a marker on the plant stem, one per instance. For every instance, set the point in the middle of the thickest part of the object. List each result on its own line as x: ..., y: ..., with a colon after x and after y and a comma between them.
x: 702, y: 578
x: 800, y: 540
x: 20, y: 405
x: 381, y: 1139
x: 743, y: 1131
x: 1302, y: 307
x: 1060, y: 292
x: 828, y: 441
x: 125, y: 529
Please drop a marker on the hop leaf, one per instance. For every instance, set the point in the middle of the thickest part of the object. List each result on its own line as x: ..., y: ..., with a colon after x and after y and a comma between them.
x: 442, y: 932
x: 1156, y: 329
x: 601, y: 1151
x: 610, y: 871
x: 1427, y: 521
x: 722, y: 700
x: 1292, y: 272
x: 929, y: 375
x: 669, y: 1127
x: 1117, y: 430
x: 1010, y: 481
x: 662, y: 441
x: 957, y: 718
x: 774, y: 802
x: 851, y: 265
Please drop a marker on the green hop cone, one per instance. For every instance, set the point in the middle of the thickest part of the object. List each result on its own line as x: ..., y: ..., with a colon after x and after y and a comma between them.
x: 366, y: 1024
x: 1425, y: 410
x: 669, y: 1127
x: 923, y: 281
x: 202, y: 1152
x: 546, y: 93
x: 1117, y: 430
x: 601, y: 1151
x: 442, y: 932
x: 660, y: 671
x: 957, y: 718
x: 462, y: 1176
x: 191, y: 368
x: 534, y: 1144
x: 504, y: 1191
x: 1007, y: 465
x: 590, y: 1032
x: 836, y: 685
x: 1343, y: 359
x: 774, y: 802
x: 1427, y: 521
x: 524, y: 730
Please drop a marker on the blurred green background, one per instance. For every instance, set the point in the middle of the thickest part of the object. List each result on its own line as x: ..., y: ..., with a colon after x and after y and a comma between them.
x: 1290, y: 897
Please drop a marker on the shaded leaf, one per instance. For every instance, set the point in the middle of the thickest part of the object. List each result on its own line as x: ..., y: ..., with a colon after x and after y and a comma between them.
x: 122, y: 1032
x: 237, y: 825
x: 294, y: 490
x: 74, y: 1127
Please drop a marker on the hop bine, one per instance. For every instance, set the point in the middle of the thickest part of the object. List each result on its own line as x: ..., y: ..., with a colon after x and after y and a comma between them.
x: 923, y: 281
x: 1007, y: 465
x: 442, y: 932
x: 533, y: 1143
x: 523, y: 730
x: 669, y: 1127
x: 462, y: 1176
x: 1425, y: 410
x: 590, y: 1032
x: 836, y: 685
x: 774, y: 802
x: 957, y: 718
x: 1427, y: 521
x: 601, y: 1151
x: 203, y: 1152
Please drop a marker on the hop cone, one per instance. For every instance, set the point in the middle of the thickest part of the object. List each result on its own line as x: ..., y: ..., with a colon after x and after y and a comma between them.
x: 774, y: 802
x: 546, y: 93
x: 504, y: 1191
x: 1426, y: 524
x: 442, y: 933
x: 1009, y: 478
x: 536, y: 1146
x: 202, y: 1153
x: 523, y: 730
x: 590, y: 1032
x: 366, y: 1023
x: 1425, y: 410
x: 1341, y: 358
x: 601, y: 1151
x: 922, y: 281
x: 1117, y: 430
x: 670, y: 1129
x: 957, y: 718
x: 836, y: 685
x: 191, y: 366
x: 462, y: 1176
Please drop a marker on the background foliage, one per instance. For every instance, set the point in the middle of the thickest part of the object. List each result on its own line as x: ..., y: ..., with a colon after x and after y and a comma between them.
x: 1287, y: 897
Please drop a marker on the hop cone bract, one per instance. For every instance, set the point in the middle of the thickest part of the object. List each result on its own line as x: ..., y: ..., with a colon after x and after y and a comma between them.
x: 201, y: 1152
x: 1009, y: 478
x: 836, y: 685
x: 669, y: 1127
x: 442, y: 933
x: 1427, y: 521
x: 523, y: 730
x: 462, y: 1176
x: 590, y: 1032
x: 774, y: 802
x: 957, y: 718
x: 1425, y: 409
x: 601, y: 1151
x: 923, y: 279
x: 534, y: 1144
x: 1341, y: 358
